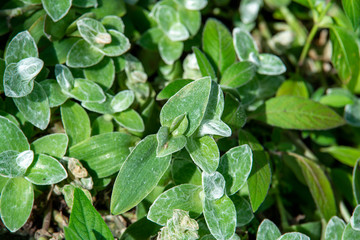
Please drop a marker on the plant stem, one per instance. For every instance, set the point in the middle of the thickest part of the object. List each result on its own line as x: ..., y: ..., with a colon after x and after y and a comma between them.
x: 312, y: 35
x: 15, y: 12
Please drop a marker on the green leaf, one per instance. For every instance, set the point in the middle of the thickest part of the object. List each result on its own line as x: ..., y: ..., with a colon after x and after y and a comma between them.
x: 102, y: 73
x: 238, y: 74
x: 355, y: 219
x: 170, y: 51
x: 179, y: 125
x: 82, y: 55
x: 118, y: 46
x: 352, y: 113
x: 190, y: 19
x: 14, y: 164
x: 168, y: 144
x: 245, y: 46
x: 56, y: 9
x: 56, y: 52
x: 213, y: 185
x: 260, y: 176
x: 294, y: 235
x: 122, y: 100
x: 297, y: 113
x: 235, y: 165
x: 45, y: 170
x: 11, y: 137
x: 35, y: 107
x: 205, y: 66
x: 102, y: 108
x: 356, y: 181
x: 220, y: 216
x: 76, y: 122
x: 16, y: 203
x: 2, y: 70
x: 234, y: 112
x: 350, y: 233
x: 64, y: 77
x: 319, y: 187
x: 85, y: 3
x: 193, y: 5
x: 293, y: 88
x: 138, y: 176
x: 352, y: 10
x: 217, y: 44
x: 211, y: 123
x: 270, y: 65
x: 141, y: 229
x: 249, y: 10
x: 101, y: 158
x: 101, y: 125
x: 87, y: 91
x: 192, y: 100
x: 19, y: 77
x: 93, y: 32
x: 130, y: 120
x: 53, y: 92
x: 150, y: 39
x: 167, y: 17
x: 56, y: 30
x: 186, y: 197
x: 172, y: 88
x: 345, y: 52
x: 20, y: 47
x: 204, y: 152
x: 337, y: 97
x: 334, y: 229
x: 185, y: 171
x: 53, y: 144
x: 268, y: 231
x: 344, y: 154
x: 80, y: 224
x: 244, y: 213
x: 113, y: 22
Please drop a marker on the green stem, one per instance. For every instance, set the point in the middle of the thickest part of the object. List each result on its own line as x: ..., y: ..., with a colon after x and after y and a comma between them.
x: 312, y: 35
x: 15, y: 12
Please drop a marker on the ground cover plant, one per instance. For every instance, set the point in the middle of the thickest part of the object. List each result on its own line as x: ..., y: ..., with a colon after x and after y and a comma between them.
x: 180, y: 119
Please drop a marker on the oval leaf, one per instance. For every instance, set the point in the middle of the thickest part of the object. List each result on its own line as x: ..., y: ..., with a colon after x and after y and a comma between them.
x: 56, y: 9
x: 35, y: 107
x: 217, y: 44
x: 192, y: 100
x: 138, y: 176
x: 213, y: 185
x: 14, y: 164
x: 76, y: 122
x: 268, y: 231
x: 101, y: 158
x: 53, y: 144
x: 334, y: 229
x: 19, y: 77
x: 11, y: 137
x: 238, y: 74
x: 235, y: 166
x: 204, y: 152
x: 185, y: 197
x: 17, y: 192
x: 297, y: 113
x: 20, y: 47
x: 45, y: 170
x: 80, y: 227
x: 220, y: 216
